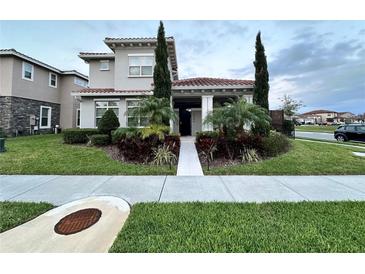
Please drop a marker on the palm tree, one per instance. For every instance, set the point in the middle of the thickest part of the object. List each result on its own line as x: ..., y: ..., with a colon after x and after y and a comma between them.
x: 234, y: 115
x: 156, y: 110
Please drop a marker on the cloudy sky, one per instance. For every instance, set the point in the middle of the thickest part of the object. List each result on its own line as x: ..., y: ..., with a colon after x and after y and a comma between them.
x: 321, y: 63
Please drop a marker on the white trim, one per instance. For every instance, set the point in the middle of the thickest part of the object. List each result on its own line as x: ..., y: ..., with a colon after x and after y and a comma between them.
x: 23, y: 71
x: 78, y: 117
x: 49, y: 79
x: 145, y: 93
x: 140, y: 54
x: 107, y: 99
x: 104, y: 62
x: 48, y: 118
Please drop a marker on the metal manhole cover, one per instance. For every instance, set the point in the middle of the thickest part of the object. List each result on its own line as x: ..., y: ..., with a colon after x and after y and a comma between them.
x: 77, y: 221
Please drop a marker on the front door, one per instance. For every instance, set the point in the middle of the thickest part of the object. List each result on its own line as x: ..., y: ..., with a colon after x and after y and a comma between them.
x: 185, y: 122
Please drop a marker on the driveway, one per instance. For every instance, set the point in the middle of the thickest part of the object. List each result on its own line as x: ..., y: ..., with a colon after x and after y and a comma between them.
x: 59, y: 190
x: 315, y: 135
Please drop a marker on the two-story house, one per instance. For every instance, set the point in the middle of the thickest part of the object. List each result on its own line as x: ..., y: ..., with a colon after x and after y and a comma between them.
x: 117, y: 79
x: 36, y: 97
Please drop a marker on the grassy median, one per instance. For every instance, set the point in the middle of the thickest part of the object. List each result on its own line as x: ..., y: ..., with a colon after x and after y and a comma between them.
x: 245, y: 227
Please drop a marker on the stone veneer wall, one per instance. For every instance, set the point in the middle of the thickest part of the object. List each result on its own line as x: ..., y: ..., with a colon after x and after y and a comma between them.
x: 15, y: 114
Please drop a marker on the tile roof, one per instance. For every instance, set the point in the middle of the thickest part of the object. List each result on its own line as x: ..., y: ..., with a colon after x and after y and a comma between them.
x: 205, y: 81
x: 96, y: 53
x: 318, y: 111
x: 131, y: 39
x: 111, y: 90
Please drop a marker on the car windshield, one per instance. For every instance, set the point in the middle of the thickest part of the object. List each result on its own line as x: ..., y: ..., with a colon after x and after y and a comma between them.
x: 340, y: 127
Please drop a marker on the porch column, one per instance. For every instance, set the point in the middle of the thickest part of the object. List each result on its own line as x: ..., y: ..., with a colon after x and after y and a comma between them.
x: 207, y: 107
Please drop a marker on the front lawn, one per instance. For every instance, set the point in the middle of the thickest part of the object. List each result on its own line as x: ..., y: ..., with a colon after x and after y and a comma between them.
x: 305, y: 158
x: 13, y: 214
x: 245, y: 227
x: 313, y: 128
x: 46, y: 154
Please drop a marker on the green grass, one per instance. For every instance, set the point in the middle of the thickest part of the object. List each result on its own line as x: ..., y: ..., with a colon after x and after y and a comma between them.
x: 305, y: 158
x: 245, y: 227
x: 46, y: 154
x: 312, y: 128
x: 13, y: 214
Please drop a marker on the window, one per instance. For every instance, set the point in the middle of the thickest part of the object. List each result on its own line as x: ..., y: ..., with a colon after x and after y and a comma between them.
x: 45, y: 117
x: 102, y: 106
x: 78, y: 117
x: 360, y: 128
x: 350, y: 128
x: 104, y: 65
x: 52, y: 80
x: 80, y: 82
x: 135, y: 121
x: 28, y: 71
x: 140, y: 65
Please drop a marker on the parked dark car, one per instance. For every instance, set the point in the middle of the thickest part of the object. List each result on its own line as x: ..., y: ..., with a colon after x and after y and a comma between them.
x: 350, y: 132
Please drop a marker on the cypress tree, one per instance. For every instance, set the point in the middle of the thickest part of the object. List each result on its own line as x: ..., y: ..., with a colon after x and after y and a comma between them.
x: 261, y: 89
x: 161, y: 73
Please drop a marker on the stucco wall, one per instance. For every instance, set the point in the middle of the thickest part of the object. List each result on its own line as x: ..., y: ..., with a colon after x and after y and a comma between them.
x: 69, y: 104
x: 101, y: 78
x: 39, y: 88
x: 121, y: 79
x: 6, y: 70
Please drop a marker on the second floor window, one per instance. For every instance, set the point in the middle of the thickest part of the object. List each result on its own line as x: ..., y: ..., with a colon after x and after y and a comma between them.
x: 28, y: 71
x: 52, y: 80
x: 104, y: 65
x: 140, y: 65
x: 80, y: 82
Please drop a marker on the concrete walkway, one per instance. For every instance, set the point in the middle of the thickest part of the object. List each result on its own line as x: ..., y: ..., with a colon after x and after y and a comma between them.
x: 97, y: 238
x: 189, y: 164
x: 59, y: 190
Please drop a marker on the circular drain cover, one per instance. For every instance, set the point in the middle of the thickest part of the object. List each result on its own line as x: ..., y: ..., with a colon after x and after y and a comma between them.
x: 77, y: 221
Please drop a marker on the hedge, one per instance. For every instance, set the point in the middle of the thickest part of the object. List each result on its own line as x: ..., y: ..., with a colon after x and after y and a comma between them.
x: 78, y: 135
x: 100, y: 139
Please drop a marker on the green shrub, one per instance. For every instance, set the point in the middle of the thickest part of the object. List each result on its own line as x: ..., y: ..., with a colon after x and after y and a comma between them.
x: 206, y: 134
x: 99, y: 139
x: 78, y: 135
x: 288, y: 128
x: 164, y: 156
x: 108, y: 122
x: 124, y: 132
x: 275, y: 144
x: 173, y: 141
x: 155, y: 129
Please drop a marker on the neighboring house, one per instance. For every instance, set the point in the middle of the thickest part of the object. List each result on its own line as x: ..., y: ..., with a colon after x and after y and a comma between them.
x: 318, y: 117
x: 34, y: 96
x: 119, y: 78
x: 325, y: 116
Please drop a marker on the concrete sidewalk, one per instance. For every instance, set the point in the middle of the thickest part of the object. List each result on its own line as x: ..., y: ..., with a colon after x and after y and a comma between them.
x: 189, y: 163
x: 63, y: 189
